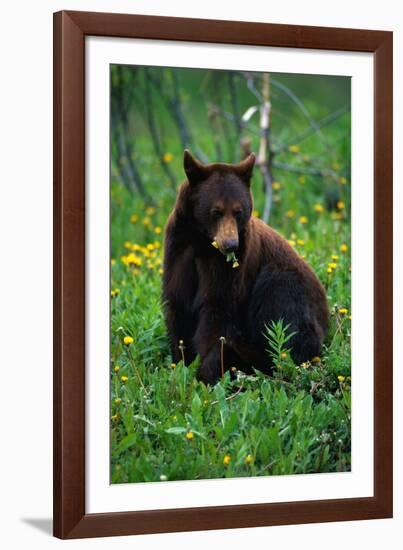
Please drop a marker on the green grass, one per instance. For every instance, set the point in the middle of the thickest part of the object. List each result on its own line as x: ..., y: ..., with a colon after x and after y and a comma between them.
x: 167, y: 426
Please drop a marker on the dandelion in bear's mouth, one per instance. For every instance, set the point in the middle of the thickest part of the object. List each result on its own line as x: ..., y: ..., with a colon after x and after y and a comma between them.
x: 230, y: 257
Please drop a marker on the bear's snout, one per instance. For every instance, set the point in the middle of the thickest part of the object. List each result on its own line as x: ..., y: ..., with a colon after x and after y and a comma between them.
x: 230, y: 245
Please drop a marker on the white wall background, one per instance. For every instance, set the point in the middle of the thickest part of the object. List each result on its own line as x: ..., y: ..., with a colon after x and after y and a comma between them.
x: 26, y: 274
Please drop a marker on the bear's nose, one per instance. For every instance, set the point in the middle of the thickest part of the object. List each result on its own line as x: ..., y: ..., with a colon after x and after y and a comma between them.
x: 230, y: 245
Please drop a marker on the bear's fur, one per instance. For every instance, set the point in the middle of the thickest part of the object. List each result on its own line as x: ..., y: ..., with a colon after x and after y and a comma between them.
x: 206, y: 298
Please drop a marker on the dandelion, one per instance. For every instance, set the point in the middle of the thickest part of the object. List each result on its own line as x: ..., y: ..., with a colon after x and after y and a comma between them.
x: 349, y: 317
x: 315, y: 359
x: 341, y: 378
x: 168, y: 157
x: 113, y: 261
x: 343, y: 247
x: 160, y: 271
x: 276, y: 185
x: 146, y: 221
x: 157, y: 230
x: 173, y: 365
x: 116, y: 368
x: 301, y: 242
x: 205, y: 402
x: 118, y: 401
x: 134, y: 218
x: 235, y: 264
x: 341, y: 205
x: 157, y: 244
x: 318, y: 208
x: 215, y: 244
x: 115, y: 292
x: 189, y: 435
x: 136, y: 247
x: 127, y: 244
x: 290, y: 213
x: 226, y: 460
x: 335, y: 257
x: 283, y: 355
x: 343, y: 311
x: 329, y: 270
x: 301, y: 180
x: 124, y: 378
x: 248, y: 459
x: 114, y: 417
x: 256, y: 213
x: 342, y: 180
x: 127, y: 340
x: 150, y: 246
x: 292, y: 242
x: 150, y: 210
x: 293, y: 148
x: 333, y: 265
x: 303, y: 220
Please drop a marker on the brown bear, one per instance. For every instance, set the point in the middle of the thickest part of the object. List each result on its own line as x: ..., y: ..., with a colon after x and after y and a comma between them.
x: 206, y: 297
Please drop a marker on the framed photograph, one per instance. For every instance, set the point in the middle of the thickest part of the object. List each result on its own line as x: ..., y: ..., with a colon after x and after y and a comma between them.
x: 222, y: 272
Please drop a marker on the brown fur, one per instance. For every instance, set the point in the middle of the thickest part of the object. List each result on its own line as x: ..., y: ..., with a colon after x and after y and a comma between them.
x: 205, y: 298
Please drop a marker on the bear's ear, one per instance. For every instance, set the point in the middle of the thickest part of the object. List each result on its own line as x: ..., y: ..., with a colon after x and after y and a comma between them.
x: 244, y: 169
x: 194, y: 169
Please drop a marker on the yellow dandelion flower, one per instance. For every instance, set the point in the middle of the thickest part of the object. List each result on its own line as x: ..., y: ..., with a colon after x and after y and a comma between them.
x: 235, y: 264
x: 124, y: 378
x: 343, y: 247
x: 283, y: 355
x: 150, y: 210
x: 256, y: 213
x: 157, y: 230
x: 341, y: 378
x: 134, y: 218
x: 160, y: 271
x: 127, y: 340
x: 150, y: 246
x: 215, y: 244
x: 335, y: 257
x: 127, y: 244
x: 248, y: 459
x: 343, y: 180
x: 115, y: 292
x: 276, y: 185
x: 168, y: 157
x: 113, y: 261
x: 114, y: 417
x: 303, y: 220
x: 116, y: 368
x: 146, y: 221
x: 329, y: 270
x: 189, y: 435
x: 226, y: 460
x: 333, y: 265
x: 205, y: 402
x: 173, y: 365
x: 157, y: 244
x: 301, y: 242
x: 136, y: 248
x: 318, y: 208
x: 315, y: 359
x: 292, y: 242
x: 294, y: 148
x: 341, y: 205
x: 118, y: 401
x: 290, y: 213
x: 301, y: 179
x: 343, y: 311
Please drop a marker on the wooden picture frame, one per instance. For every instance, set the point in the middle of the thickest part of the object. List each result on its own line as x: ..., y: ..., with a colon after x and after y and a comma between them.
x: 70, y: 517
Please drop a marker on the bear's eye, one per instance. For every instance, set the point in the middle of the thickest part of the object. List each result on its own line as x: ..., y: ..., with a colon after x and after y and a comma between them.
x: 216, y: 213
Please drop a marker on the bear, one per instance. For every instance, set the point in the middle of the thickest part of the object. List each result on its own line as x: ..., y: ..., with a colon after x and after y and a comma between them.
x: 212, y: 305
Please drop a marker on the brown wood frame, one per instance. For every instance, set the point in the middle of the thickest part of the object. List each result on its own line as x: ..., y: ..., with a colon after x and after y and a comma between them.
x: 70, y: 517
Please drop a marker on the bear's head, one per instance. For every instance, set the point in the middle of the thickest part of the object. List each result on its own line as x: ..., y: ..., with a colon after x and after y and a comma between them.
x: 220, y: 199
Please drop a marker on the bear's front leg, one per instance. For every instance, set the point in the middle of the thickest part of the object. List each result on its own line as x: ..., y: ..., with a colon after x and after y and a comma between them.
x: 212, y: 326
